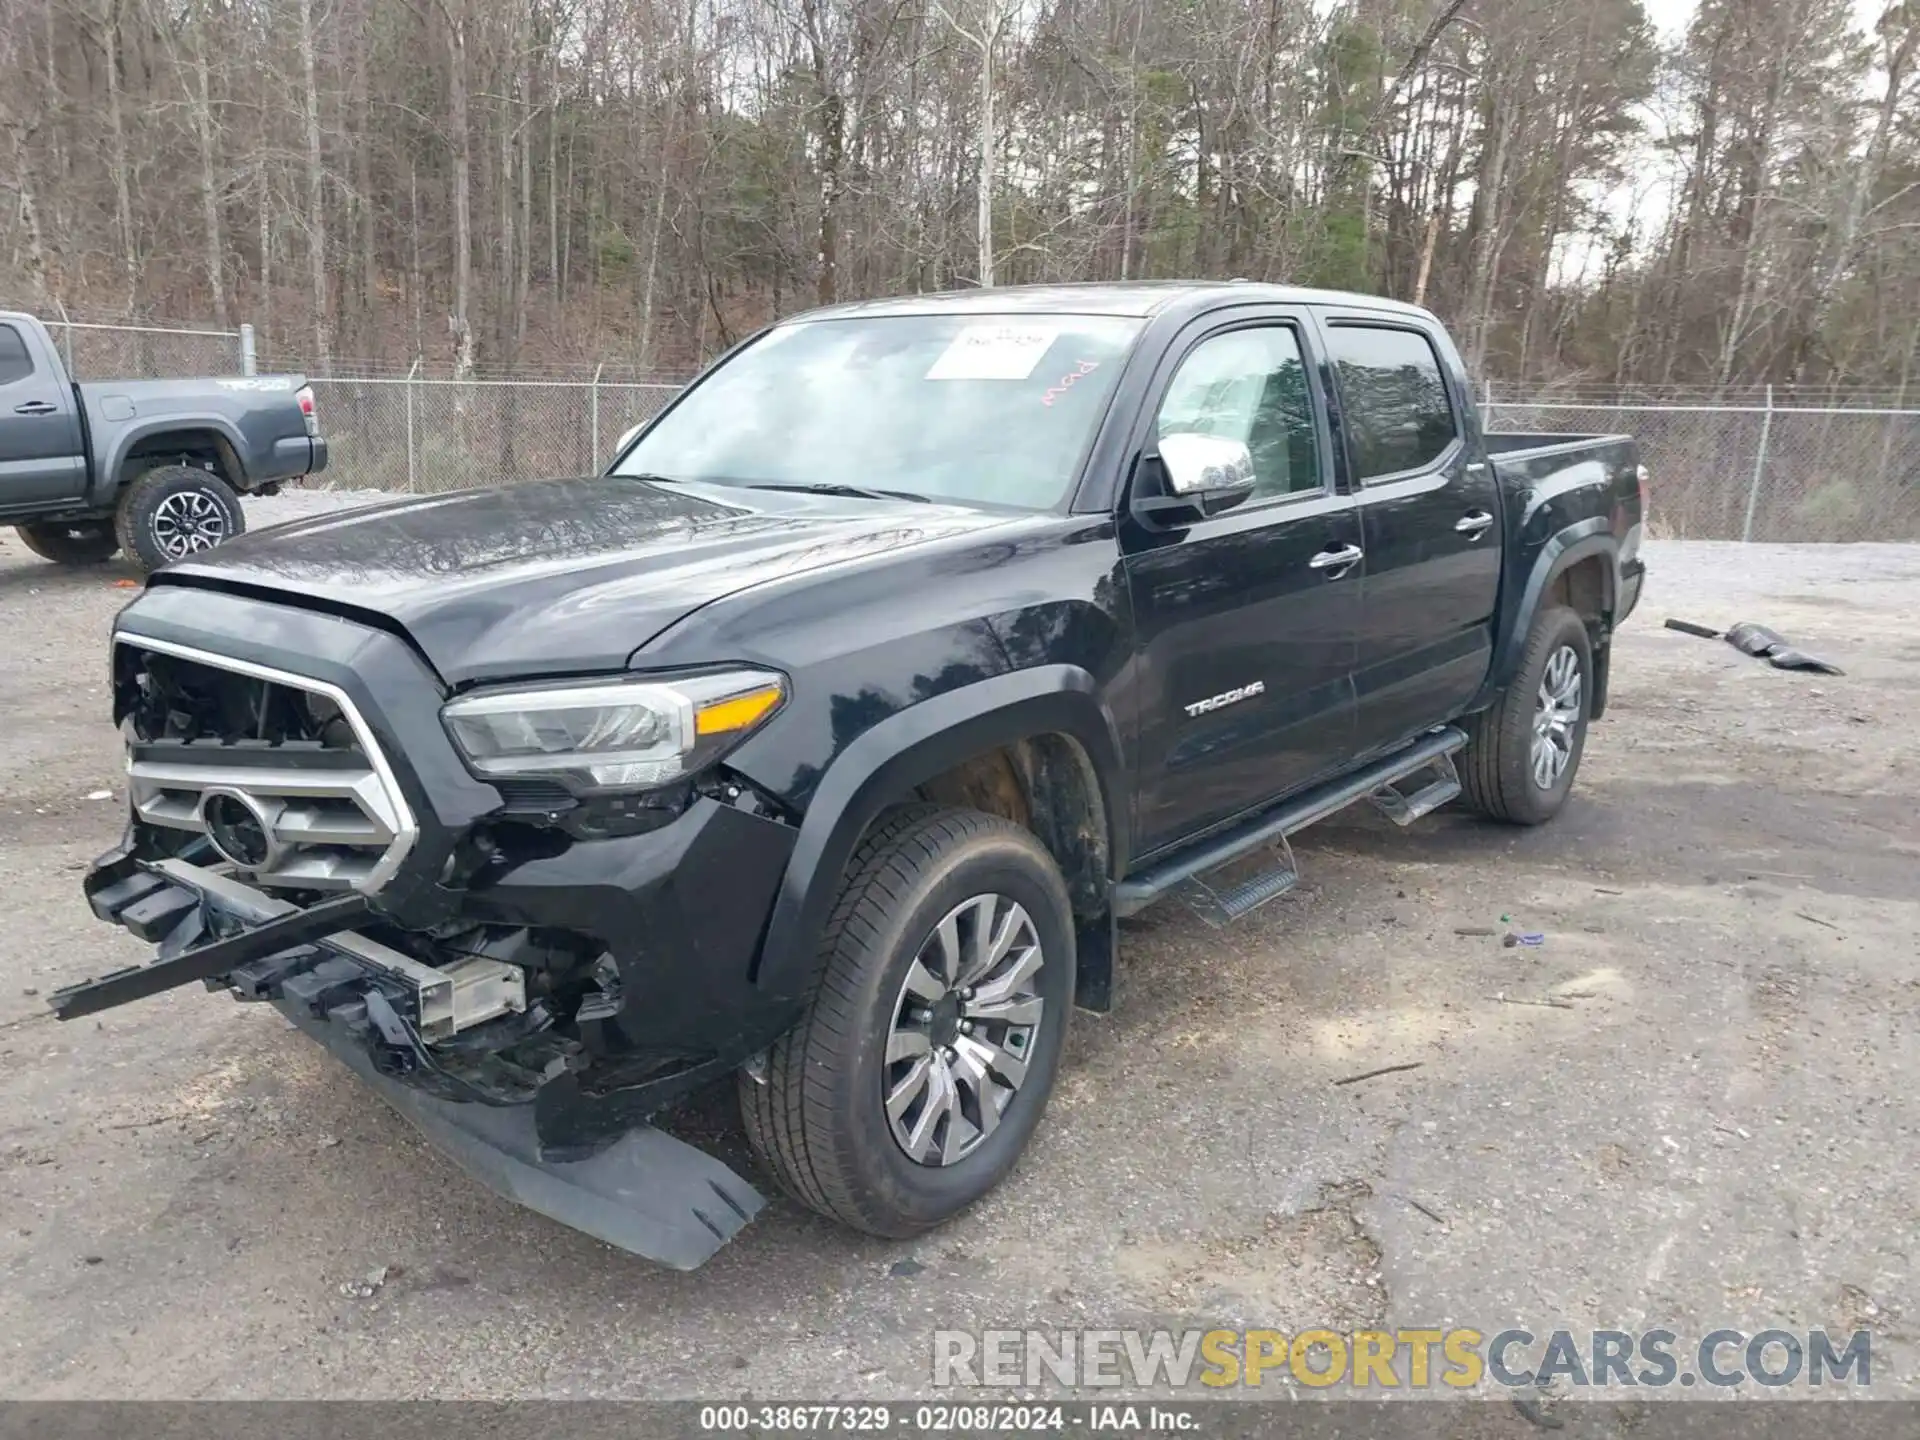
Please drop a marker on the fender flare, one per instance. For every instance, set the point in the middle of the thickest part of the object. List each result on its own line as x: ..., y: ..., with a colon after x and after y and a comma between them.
x: 905, y: 750
x: 109, y: 479
x: 1579, y: 541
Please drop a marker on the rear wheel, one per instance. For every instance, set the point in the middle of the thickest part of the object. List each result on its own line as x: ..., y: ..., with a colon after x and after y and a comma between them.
x: 70, y: 542
x: 175, y: 511
x: 1523, y: 752
x: 931, y: 1044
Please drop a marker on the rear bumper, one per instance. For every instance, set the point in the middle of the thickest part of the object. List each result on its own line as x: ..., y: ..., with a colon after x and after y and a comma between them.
x: 1632, y: 574
x: 296, y: 455
x: 386, y: 1017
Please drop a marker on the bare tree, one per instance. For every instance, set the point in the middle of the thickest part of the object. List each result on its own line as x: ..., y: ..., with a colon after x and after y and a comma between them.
x: 640, y: 181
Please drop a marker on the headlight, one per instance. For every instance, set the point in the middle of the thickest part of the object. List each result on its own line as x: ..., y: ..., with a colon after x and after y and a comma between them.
x: 623, y: 734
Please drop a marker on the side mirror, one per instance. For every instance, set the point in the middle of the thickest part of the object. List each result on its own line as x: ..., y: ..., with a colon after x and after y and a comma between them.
x: 1201, y: 475
x: 626, y: 436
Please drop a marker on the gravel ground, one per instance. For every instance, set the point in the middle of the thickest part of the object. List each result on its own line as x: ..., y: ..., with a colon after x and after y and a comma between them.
x: 1695, y: 1105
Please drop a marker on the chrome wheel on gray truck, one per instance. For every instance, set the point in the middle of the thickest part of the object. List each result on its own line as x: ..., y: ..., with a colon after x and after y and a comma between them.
x: 70, y: 542
x: 931, y: 1044
x: 175, y: 511
x: 1523, y: 752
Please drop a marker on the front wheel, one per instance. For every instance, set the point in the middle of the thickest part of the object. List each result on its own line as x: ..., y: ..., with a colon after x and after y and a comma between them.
x: 175, y: 511
x: 1523, y: 752
x: 931, y: 1044
x: 70, y: 542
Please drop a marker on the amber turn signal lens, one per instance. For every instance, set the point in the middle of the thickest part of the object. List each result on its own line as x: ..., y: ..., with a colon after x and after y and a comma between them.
x: 735, y: 713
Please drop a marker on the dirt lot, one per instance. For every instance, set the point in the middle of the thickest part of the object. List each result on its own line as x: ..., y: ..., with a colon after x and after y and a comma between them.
x: 1697, y: 1104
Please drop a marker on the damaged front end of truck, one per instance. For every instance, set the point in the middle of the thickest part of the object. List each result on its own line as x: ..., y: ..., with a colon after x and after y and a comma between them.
x: 526, y: 972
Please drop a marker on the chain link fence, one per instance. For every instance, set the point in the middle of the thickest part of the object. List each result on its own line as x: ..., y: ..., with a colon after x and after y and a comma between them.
x: 421, y: 437
x: 1745, y: 465
x: 146, y: 352
x: 1758, y: 471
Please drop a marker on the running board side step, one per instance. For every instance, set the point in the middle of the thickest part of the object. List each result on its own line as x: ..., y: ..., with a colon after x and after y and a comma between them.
x: 1219, y: 906
x: 1441, y: 785
x: 1432, y: 751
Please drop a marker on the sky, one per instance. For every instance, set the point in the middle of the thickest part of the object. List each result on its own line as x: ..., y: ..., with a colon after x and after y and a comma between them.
x: 1671, y: 16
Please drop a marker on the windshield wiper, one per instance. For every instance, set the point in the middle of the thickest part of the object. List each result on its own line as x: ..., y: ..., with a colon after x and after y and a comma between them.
x: 858, y: 492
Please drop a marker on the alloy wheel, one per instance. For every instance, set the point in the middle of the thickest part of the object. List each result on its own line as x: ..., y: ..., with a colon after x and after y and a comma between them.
x: 188, y: 521
x: 963, y: 1029
x: 1556, y: 717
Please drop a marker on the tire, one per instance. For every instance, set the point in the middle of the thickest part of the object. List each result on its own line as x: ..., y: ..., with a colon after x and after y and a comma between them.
x: 820, y: 1122
x: 70, y: 542
x: 1497, y: 770
x: 175, y: 511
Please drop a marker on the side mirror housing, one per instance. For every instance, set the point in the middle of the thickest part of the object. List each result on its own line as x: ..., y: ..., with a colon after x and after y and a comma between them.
x: 1198, y: 476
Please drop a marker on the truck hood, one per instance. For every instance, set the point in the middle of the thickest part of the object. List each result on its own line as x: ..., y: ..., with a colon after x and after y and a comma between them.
x: 561, y: 576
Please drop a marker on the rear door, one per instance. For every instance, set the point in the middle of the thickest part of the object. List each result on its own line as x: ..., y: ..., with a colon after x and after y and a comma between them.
x: 1429, y: 516
x: 41, y: 459
x: 1246, y: 633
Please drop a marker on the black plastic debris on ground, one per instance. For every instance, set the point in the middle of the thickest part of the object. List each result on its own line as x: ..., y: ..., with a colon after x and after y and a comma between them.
x: 1757, y: 640
x: 1687, y: 627
x: 1776, y: 649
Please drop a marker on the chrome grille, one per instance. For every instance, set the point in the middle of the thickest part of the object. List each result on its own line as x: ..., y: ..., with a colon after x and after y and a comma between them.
x: 333, y: 813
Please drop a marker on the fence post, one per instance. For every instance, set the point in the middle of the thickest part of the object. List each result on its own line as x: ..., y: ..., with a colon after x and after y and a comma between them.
x: 1759, y: 469
x: 593, y: 412
x: 66, y: 339
x: 249, y: 357
x: 412, y: 370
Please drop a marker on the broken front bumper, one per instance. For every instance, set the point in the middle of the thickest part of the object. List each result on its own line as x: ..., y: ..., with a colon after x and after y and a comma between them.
x: 383, y: 1013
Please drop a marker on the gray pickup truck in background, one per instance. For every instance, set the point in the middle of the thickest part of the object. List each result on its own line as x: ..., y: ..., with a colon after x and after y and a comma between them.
x: 151, y: 467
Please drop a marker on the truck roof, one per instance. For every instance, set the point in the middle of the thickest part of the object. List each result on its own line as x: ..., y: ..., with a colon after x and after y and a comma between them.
x: 1135, y: 298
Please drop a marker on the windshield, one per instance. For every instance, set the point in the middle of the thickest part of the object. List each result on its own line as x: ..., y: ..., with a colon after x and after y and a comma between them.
x: 980, y: 409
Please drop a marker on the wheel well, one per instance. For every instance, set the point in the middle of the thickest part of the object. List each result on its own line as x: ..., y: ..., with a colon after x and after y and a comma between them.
x: 202, y: 449
x: 1046, y: 784
x: 1583, y: 586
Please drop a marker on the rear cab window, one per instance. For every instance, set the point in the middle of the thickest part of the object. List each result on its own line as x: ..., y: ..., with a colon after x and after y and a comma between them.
x: 1400, y: 417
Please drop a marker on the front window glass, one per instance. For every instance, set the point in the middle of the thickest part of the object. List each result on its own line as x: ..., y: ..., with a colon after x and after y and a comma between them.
x: 15, y: 363
x: 1250, y: 385
x: 978, y: 409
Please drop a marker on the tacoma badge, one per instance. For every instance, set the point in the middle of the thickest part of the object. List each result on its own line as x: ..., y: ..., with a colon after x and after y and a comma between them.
x: 1227, y: 697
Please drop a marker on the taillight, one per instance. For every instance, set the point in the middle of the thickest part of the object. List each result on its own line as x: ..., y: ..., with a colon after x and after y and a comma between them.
x: 1640, y: 479
x: 305, y: 396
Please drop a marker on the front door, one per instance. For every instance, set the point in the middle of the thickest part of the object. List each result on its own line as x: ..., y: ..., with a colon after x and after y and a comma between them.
x: 40, y: 455
x: 1246, y: 621
x: 1430, y: 524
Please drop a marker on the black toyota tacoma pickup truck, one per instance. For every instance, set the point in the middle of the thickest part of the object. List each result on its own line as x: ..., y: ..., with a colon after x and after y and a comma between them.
x: 826, y: 738
x: 154, y: 468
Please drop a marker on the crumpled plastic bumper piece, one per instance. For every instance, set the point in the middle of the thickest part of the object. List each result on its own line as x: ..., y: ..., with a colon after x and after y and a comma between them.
x: 647, y: 1193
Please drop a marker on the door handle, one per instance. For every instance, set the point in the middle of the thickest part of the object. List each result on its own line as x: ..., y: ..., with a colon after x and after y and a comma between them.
x: 36, y: 407
x: 1473, y: 523
x: 1338, y: 561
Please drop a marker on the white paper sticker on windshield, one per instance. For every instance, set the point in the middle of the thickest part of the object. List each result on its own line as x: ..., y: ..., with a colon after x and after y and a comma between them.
x: 993, y: 352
